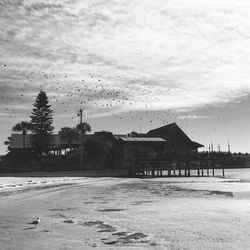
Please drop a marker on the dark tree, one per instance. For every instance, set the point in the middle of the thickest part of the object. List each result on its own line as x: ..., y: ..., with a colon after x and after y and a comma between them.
x: 42, y: 119
x: 83, y: 128
x: 7, y: 143
x: 69, y: 135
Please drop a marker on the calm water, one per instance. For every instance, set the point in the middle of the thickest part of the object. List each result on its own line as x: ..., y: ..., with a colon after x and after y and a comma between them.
x: 238, y: 173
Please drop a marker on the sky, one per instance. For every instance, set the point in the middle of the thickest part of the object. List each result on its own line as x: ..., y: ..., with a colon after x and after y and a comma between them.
x: 131, y: 65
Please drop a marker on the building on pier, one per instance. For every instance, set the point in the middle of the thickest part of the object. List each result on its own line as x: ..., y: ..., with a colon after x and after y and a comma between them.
x: 105, y: 150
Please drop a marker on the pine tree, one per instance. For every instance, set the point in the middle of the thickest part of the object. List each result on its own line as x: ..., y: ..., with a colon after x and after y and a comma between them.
x: 42, y: 119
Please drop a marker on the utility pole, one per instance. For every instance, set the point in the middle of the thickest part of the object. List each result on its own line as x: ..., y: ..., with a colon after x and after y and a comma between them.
x: 228, y: 145
x: 80, y: 114
x: 81, y: 140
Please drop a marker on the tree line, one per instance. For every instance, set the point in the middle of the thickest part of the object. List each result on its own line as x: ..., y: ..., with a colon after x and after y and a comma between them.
x: 41, y: 127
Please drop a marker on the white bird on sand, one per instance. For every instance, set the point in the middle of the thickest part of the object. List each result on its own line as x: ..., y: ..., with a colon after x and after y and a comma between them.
x: 35, y: 222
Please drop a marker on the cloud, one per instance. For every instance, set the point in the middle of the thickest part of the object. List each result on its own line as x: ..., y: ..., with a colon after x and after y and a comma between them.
x: 159, y: 55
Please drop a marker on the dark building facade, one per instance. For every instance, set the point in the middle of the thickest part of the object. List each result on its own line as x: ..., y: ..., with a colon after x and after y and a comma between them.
x: 105, y: 150
x: 130, y: 150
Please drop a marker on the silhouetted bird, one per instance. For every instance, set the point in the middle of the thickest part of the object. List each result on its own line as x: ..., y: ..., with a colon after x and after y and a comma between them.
x: 35, y: 222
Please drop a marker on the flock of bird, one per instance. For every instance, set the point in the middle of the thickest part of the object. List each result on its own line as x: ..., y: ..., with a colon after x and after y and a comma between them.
x: 94, y: 96
x: 91, y: 94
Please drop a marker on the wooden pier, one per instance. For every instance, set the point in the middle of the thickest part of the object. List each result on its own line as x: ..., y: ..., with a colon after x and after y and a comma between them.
x: 198, y: 165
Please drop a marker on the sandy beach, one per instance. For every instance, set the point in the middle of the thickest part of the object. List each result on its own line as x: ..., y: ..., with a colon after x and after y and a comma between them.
x: 123, y: 213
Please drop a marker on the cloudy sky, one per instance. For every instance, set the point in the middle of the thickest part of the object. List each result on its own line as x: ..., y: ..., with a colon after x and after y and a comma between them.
x: 132, y: 65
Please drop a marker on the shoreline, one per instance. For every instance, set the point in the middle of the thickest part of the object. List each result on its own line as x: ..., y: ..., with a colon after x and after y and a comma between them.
x: 128, y: 213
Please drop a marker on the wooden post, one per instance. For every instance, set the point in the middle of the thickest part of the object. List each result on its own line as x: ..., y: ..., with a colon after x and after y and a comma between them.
x: 81, y: 158
x: 207, y: 171
x: 198, y: 168
x: 185, y: 168
x: 188, y: 167
x: 213, y: 165
x: 202, y: 174
x: 148, y: 170
x: 179, y: 165
x: 223, y: 172
x: 169, y: 168
x: 161, y: 171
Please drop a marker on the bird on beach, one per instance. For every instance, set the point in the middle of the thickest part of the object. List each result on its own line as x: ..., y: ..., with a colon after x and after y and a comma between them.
x: 35, y: 222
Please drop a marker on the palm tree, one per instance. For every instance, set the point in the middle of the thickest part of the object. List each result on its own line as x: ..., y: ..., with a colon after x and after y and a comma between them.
x: 23, y: 127
x: 83, y: 128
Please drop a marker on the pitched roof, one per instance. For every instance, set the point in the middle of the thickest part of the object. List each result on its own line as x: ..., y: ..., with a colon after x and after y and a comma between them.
x: 197, y: 145
x: 173, y: 132
x: 168, y: 131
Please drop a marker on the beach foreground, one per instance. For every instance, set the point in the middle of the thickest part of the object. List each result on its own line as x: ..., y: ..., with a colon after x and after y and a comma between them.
x: 116, y: 213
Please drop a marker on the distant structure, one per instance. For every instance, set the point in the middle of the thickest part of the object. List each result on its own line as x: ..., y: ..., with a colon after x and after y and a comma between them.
x: 212, y: 147
x: 125, y: 150
x: 80, y: 114
x: 160, y: 150
x: 175, y: 139
x: 229, y: 147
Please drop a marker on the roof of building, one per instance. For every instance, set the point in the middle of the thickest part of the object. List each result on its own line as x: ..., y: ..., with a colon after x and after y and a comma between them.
x: 142, y: 139
x: 168, y: 131
x: 136, y: 134
x: 118, y: 136
x: 173, y: 132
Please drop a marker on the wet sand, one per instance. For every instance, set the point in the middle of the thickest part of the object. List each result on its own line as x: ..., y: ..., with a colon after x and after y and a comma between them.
x: 110, y: 213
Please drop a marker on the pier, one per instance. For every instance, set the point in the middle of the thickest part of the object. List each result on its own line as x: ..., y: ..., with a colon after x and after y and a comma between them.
x: 199, y: 165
